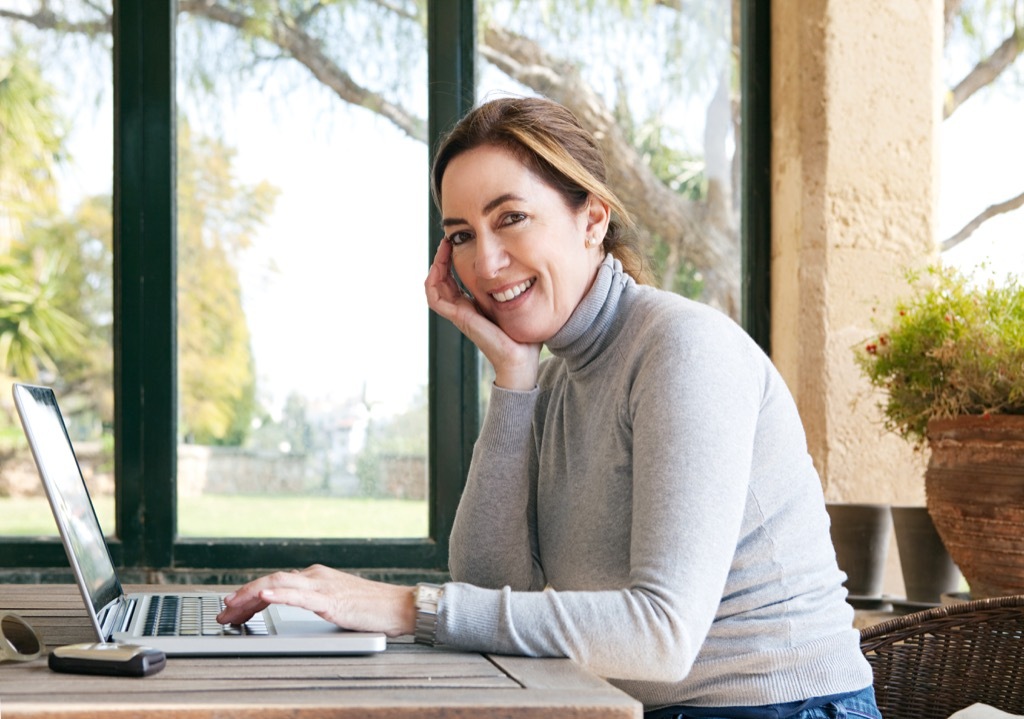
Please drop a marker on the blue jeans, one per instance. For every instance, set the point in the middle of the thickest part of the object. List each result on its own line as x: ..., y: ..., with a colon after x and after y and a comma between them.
x: 855, y: 705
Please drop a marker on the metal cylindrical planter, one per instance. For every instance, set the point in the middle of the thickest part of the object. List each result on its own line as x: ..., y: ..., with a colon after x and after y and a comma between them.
x: 974, y: 486
x: 860, y: 535
x: 928, y: 570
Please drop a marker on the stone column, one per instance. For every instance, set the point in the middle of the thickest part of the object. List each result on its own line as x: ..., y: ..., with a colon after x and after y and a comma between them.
x: 856, y: 103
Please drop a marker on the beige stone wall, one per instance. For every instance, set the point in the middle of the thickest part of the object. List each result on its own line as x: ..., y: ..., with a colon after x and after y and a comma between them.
x: 855, y: 118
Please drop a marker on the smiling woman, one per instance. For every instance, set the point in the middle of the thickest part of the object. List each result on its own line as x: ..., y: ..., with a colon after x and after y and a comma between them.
x: 641, y: 500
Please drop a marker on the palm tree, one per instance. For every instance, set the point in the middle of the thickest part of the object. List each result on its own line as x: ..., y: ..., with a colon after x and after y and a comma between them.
x: 32, y: 326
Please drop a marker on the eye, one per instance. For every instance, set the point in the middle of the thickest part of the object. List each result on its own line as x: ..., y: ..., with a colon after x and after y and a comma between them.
x: 457, y: 238
x: 512, y: 218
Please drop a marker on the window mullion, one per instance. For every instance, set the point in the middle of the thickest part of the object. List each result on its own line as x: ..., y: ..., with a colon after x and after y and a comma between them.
x: 756, y: 131
x: 144, y: 280
x: 453, y: 368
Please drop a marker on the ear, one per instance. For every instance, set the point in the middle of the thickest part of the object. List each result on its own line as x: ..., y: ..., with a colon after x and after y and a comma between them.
x: 599, y: 214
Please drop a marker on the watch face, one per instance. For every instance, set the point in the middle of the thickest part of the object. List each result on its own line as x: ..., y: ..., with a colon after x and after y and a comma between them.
x: 427, y: 594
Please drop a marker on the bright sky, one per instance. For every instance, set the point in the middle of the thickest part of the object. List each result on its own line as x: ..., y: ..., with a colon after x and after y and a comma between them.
x: 983, y: 164
x: 349, y: 237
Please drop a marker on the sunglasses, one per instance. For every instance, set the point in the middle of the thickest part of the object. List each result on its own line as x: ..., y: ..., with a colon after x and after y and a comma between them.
x: 19, y: 642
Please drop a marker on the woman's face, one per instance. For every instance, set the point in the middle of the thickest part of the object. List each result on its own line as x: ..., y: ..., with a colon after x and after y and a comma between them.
x: 516, y: 245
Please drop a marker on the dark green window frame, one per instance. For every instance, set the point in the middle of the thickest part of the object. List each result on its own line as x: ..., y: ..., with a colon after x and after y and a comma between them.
x: 145, y: 372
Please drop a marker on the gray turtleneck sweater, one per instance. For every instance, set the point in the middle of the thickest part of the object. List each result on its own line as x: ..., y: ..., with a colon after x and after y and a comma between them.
x: 650, y: 510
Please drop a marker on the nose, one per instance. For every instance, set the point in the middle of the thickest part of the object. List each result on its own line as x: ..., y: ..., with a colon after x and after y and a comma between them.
x: 491, y: 256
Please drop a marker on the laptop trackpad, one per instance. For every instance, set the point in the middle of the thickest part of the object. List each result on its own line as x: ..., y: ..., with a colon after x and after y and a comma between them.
x: 294, y: 620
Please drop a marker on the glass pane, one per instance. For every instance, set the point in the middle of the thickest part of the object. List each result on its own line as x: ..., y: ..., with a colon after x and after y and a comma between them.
x: 302, y: 249
x: 56, y: 145
x: 981, y: 199
x: 658, y: 85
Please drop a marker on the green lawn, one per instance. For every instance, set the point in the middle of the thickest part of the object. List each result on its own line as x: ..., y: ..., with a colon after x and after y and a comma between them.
x: 248, y: 516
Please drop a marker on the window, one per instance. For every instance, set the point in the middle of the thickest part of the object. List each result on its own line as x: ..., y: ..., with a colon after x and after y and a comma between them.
x: 980, y: 200
x: 241, y: 164
x: 302, y: 341
x: 56, y: 262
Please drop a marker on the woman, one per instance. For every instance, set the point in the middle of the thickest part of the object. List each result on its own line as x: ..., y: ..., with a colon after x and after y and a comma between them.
x: 642, y: 501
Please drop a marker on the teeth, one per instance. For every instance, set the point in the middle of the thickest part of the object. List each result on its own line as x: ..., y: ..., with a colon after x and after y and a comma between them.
x: 512, y: 292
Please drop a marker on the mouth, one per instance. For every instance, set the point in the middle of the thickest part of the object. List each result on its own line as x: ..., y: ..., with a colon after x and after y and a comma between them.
x: 512, y: 292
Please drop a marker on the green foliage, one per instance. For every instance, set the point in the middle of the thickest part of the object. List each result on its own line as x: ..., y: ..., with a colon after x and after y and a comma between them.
x: 32, y: 326
x: 217, y: 218
x: 687, y: 280
x: 952, y: 348
x: 83, y: 290
x: 48, y: 305
x: 684, y: 174
x: 31, y: 132
x: 56, y: 286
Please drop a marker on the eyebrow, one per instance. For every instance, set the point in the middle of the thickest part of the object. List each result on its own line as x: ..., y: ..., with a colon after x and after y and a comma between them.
x: 496, y: 202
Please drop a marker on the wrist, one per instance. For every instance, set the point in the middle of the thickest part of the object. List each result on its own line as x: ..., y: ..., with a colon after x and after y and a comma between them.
x: 518, y: 379
x: 408, y: 611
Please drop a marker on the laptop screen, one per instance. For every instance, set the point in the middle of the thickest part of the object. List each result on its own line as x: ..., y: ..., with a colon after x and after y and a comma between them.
x: 65, y: 488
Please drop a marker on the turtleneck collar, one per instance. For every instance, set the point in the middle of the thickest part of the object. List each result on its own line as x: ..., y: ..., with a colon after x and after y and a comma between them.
x: 586, y: 333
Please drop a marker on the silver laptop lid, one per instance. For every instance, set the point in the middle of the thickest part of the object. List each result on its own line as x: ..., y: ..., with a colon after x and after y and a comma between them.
x: 66, y: 491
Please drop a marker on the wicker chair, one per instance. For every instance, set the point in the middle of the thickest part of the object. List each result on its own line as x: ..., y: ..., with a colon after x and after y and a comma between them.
x: 932, y: 663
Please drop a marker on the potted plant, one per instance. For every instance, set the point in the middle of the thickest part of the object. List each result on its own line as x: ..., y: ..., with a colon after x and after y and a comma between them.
x: 950, y: 362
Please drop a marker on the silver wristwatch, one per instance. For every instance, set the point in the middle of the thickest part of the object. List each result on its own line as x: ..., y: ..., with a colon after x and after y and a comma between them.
x: 427, y: 597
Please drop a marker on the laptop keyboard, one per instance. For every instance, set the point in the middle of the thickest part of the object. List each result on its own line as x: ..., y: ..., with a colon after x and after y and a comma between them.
x: 196, y: 616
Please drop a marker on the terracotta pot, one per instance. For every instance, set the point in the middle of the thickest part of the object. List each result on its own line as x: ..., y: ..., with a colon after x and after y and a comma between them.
x: 860, y: 535
x: 975, y: 494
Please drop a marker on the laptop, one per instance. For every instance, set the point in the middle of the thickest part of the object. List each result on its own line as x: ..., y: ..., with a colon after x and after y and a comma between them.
x: 178, y: 623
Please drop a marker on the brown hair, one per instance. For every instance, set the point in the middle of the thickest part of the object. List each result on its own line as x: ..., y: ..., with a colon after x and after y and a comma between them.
x: 548, y: 139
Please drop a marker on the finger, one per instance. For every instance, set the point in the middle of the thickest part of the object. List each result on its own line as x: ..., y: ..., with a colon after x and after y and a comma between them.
x: 241, y: 613
x: 313, y: 601
x: 246, y: 601
x: 444, y: 251
x: 444, y: 296
x: 441, y: 267
x: 440, y: 287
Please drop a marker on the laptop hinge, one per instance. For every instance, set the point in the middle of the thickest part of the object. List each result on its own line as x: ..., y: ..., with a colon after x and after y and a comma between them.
x: 116, y: 616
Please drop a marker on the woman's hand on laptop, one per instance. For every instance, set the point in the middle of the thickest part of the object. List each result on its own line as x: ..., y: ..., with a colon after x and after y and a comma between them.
x: 344, y: 599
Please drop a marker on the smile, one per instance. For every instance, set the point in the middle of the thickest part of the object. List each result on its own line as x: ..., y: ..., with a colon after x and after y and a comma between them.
x: 512, y: 292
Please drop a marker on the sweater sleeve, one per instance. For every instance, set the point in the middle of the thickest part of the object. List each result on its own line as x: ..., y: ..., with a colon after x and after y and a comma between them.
x: 693, y: 402
x: 494, y: 538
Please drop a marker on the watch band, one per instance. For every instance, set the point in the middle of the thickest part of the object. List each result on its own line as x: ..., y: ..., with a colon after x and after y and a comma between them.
x: 427, y: 598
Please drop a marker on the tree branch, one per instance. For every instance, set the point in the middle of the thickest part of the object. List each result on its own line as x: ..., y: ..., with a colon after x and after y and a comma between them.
x: 1001, y: 208
x: 308, y: 51
x: 46, y: 19
x: 985, y: 72
x: 950, y: 8
x: 412, y: 15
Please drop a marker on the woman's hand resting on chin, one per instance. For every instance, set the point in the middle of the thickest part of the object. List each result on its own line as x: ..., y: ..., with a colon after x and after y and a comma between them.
x: 344, y: 599
x: 515, y: 363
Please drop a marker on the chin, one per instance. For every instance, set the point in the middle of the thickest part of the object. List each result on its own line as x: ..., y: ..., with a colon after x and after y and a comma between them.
x: 526, y: 336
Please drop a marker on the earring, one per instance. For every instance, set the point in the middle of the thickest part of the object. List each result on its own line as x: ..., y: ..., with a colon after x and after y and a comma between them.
x: 591, y: 241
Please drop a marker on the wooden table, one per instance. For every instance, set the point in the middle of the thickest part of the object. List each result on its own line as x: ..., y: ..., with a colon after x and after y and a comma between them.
x: 406, y: 680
